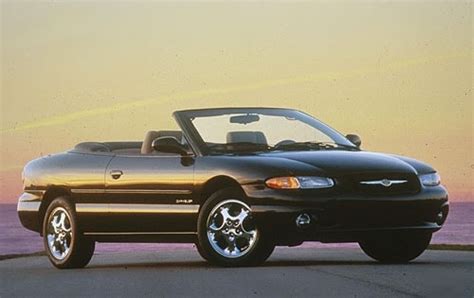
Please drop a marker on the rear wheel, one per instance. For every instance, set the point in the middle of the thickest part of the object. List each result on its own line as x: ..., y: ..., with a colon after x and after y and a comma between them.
x: 399, y: 247
x: 227, y: 233
x: 64, y: 245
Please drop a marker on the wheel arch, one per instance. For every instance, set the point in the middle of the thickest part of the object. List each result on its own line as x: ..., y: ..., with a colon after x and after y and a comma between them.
x: 217, y: 183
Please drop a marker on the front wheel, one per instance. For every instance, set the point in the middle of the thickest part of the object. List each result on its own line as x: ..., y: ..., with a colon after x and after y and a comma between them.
x: 64, y: 245
x: 227, y: 233
x: 399, y: 247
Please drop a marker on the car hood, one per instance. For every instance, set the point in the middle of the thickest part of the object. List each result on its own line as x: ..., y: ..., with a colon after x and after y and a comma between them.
x: 350, y: 162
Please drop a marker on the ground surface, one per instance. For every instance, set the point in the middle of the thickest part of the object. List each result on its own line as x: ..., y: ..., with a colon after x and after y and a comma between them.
x: 305, y: 272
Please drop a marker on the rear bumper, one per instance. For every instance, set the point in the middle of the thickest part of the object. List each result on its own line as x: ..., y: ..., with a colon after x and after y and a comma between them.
x: 345, y: 218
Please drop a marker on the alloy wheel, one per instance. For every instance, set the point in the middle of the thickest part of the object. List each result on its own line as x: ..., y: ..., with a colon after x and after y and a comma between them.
x: 230, y: 229
x: 59, y: 233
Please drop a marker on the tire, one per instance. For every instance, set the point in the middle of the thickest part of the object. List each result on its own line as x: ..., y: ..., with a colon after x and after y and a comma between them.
x: 399, y: 247
x: 235, y: 243
x: 64, y: 245
x: 201, y: 251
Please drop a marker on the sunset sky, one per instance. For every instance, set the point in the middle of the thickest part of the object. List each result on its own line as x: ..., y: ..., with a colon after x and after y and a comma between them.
x: 398, y: 74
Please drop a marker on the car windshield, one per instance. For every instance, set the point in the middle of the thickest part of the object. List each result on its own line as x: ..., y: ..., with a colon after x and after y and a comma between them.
x: 226, y: 131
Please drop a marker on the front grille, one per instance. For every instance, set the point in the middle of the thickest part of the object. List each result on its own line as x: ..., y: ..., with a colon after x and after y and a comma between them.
x: 353, y: 184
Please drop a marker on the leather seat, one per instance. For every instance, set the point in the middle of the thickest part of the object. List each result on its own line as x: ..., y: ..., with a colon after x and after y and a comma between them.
x: 256, y: 137
x: 153, y: 135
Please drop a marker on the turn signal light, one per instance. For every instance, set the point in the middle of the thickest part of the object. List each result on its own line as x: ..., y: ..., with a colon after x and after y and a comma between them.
x: 283, y: 183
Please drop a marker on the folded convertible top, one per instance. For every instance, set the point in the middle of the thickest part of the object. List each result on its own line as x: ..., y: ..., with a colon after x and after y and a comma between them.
x: 88, y: 147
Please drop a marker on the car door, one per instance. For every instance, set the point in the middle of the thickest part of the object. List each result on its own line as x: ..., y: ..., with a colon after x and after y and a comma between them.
x: 151, y: 193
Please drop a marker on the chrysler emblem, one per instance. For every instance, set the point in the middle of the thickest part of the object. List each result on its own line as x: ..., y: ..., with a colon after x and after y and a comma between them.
x: 384, y: 182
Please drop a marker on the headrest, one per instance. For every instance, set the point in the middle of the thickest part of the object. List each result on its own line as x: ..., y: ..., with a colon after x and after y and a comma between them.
x: 152, y: 135
x: 256, y: 137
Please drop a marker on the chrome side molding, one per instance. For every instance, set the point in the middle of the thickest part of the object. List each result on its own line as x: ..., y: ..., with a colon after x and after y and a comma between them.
x: 135, y: 208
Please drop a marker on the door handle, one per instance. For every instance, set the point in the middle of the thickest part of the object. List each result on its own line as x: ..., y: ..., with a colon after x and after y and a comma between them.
x: 116, y: 174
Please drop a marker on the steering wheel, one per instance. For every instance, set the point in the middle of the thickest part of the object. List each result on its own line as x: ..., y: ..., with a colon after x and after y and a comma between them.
x: 284, y: 142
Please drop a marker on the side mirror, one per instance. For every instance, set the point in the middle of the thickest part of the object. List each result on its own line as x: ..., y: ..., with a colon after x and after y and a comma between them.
x: 354, y: 139
x: 169, y: 145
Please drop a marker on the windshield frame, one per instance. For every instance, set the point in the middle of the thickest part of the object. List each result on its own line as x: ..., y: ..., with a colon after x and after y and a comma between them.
x: 184, y: 120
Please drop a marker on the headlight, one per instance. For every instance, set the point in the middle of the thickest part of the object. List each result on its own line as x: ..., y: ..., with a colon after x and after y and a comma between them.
x: 431, y: 179
x: 300, y: 182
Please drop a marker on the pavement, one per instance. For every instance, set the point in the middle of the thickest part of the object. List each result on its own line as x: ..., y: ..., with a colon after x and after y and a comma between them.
x: 290, y: 272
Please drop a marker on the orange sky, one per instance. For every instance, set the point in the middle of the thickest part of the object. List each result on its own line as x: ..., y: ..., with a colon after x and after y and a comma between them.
x: 398, y: 74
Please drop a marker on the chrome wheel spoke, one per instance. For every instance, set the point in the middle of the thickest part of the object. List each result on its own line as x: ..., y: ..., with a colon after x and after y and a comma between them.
x: 55, y: 224
x: 63, y: 224
x: 224, y: 212
x: 215, y: 235
x: 248, y: 235
x: 242, y: 215
x: 51, y: 240
x: 62, y: 217
x: 65, y: 246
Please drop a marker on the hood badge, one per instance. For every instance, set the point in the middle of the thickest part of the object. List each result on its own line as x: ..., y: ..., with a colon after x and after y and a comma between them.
x: 383, y: 182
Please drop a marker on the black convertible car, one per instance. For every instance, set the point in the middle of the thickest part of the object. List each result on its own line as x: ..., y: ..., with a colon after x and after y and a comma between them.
x: 236, y: 182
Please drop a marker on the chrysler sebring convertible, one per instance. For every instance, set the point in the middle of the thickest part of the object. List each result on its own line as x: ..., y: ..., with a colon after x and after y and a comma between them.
x: 236, y: 182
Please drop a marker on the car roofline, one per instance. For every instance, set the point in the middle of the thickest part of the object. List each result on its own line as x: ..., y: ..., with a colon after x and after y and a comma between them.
x: 232, y: 109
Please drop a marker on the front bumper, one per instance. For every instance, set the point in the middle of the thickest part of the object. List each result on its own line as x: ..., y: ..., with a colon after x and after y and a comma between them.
x: 346, y: 218
x: 28, y: 210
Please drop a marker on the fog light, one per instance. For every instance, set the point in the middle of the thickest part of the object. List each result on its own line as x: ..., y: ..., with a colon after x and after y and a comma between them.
x: 441, y: 217
x: 303, y: 220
